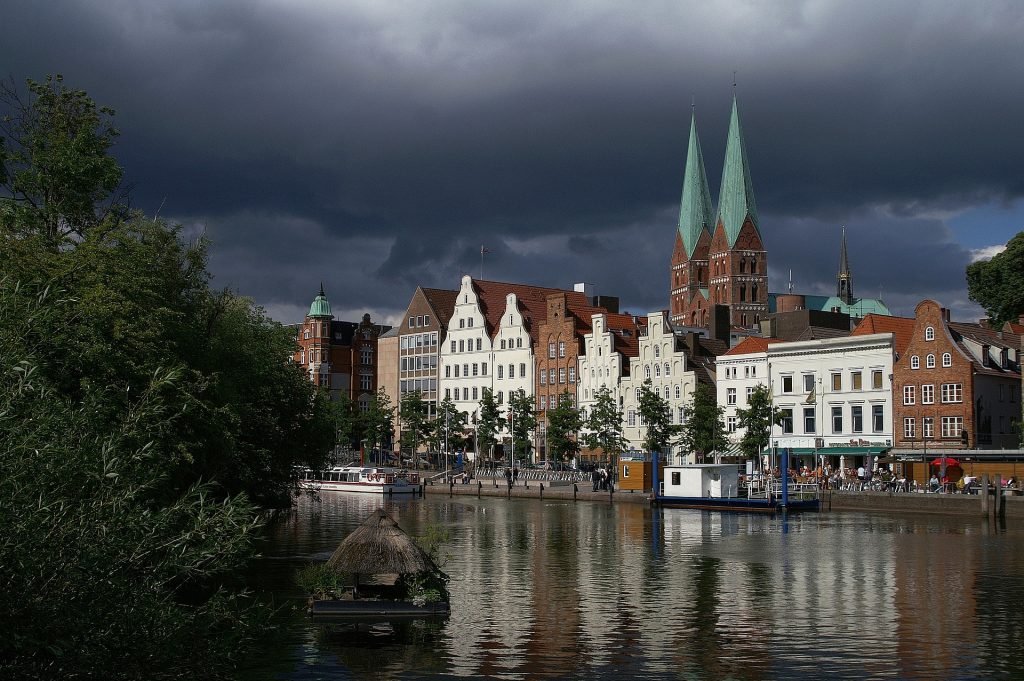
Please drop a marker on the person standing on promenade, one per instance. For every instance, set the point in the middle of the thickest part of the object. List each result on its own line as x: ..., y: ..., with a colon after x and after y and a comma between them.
x: 595, y: 478
x: 508, y: 477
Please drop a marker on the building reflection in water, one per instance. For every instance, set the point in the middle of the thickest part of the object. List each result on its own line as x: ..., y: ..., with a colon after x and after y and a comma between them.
x: 598, y: 590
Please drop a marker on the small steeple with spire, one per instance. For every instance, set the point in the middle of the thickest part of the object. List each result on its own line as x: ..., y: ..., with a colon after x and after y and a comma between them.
x: 844, y: 280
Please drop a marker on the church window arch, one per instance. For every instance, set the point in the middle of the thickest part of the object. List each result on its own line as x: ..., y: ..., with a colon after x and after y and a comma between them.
x: 743, y: 293
x: 753, y: 293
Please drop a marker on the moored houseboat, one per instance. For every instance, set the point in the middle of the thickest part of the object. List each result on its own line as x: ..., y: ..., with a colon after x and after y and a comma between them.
x: 718, y: 487
x: 370, y: 479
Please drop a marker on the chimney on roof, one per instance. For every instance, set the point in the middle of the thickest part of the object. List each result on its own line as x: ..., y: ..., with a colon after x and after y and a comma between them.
x: 610, y: 303
x: 692, y: 342
x: 718, y: 323
x: 945, y: 314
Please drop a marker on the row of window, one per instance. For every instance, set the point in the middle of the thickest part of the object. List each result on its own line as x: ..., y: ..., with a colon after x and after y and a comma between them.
x: 952, y: 426
x: 657, y: 370
x: 512, y: 370
x: 419, y: 340
x: 634, y: 418
x: 929, y: 361
x: 548, y: 376
x: 425, y: 385
x: 419, y: 363
x: 543, y: 401
x: 951, y: 393
x: 419, y: 321
x: 478, y: 369
x: 467, y: 345
x: 838, y: 424
x: 749, y: 371
x: 561, y: 349
x: 508, y: 345
x: 856, y: 381
x: 466, y: 323
x: 462, y: 393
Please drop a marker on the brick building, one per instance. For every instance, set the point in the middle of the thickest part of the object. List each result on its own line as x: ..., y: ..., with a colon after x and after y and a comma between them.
x: 338, y: 355
x: 956, y: 385
x: 720, y: 262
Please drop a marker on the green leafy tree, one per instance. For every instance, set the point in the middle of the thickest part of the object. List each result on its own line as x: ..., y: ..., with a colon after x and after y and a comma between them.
x: 758, y: 418
x: 524, y: 422
x: 656, y: 414
x: 564, y: 424
x: 449, y: 431
x: 56, y: 170
x: 997, y: 284
x: 704, y: 430
x: 348, y: 426
x: 488, y: 424
x: 416, y: 425
x: 378, y: 420
x: 604, y: 425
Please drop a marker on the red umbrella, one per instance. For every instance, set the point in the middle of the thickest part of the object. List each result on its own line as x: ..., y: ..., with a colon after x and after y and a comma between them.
x: 949, y: 461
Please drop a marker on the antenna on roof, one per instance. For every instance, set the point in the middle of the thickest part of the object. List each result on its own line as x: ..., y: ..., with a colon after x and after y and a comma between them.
x: 791, y: 281
x: 483, y: 249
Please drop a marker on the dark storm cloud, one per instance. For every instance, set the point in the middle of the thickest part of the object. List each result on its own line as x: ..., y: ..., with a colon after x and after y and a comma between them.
x: 380, y: 144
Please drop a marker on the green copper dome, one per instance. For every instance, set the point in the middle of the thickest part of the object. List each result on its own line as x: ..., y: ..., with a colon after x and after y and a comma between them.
x: 320, y: 306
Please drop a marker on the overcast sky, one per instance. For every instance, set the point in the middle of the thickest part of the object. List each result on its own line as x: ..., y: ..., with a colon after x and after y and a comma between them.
x: 376, y: 145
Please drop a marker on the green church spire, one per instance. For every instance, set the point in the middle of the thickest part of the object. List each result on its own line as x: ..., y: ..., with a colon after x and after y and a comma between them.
x: 736, y: 200
x: 695, y: 204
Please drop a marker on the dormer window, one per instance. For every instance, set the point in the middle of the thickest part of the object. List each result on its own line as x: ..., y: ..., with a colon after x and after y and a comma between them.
x: 929, y: 334
x: 915, y: 362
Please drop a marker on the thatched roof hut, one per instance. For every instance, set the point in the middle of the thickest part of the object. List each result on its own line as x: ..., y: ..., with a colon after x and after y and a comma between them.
x: 380, y: 546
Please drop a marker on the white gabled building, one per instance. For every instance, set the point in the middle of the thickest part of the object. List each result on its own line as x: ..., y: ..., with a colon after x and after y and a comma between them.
x: 835, y: 394
x: 661, y: 357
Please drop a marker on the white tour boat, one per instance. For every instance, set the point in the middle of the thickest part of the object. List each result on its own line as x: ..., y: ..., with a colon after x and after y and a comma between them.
x: 371, y: 479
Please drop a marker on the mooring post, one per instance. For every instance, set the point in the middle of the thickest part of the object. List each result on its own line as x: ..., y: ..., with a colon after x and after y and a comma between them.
x: 575, y: 491
x: 997, y: 509
x: 542, y: 490
x: 479, y: 488
x: 451, y: 489
x: 984, y: 494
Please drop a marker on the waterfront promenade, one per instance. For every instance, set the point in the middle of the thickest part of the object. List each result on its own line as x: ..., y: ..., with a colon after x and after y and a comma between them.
x: 831, y: 500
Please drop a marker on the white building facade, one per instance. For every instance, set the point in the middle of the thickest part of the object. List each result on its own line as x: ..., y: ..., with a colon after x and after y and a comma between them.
x: 834, y: 393
x: 472, y: 359
x: 665, y: 362
x: 600, y: 365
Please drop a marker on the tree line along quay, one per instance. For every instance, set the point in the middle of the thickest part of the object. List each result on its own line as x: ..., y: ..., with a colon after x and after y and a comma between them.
x: 148, y: 423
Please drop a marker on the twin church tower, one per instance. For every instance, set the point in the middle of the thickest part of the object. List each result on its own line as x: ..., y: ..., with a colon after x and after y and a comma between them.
x: 719, y: 257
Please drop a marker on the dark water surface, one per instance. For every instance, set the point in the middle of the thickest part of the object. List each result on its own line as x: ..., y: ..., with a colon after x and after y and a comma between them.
x: 588, y: 590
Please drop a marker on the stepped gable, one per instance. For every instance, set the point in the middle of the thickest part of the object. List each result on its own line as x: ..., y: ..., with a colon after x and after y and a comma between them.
x: 626, y: 344
x: 902, y: 329
x: 443, y: 301
x: 532, y: 303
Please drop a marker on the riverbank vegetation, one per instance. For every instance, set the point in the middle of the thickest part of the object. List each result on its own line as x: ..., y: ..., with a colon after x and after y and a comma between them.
x: 146, y: 418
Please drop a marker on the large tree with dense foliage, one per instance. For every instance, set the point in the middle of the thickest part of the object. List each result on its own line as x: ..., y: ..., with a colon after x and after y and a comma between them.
x: 488, y: 423
x: 656, y: 416
x: 758, y: 419
x: 604, y: 425
x: 144, y: 419
x: 57, y: 175
x: 416, y: 425
x: 997, y: 284
x: 564, y: 424
x: 704, y: 430
x: 449, y: 430
x: 523, y: 423
x: 379, y: 421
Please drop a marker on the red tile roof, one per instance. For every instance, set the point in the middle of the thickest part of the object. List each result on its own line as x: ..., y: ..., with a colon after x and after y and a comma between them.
x: 902, y: 329
x: 532, y: 303
x: 443, y: 302
x: 753, y: 344
x: 1013, y: 327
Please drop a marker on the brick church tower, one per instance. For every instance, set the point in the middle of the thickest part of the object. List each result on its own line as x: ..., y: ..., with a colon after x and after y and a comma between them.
x: 737, y: 258
x: 689, y: 275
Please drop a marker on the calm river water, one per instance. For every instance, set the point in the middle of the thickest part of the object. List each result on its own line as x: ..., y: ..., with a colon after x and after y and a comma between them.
x: 590, y: 590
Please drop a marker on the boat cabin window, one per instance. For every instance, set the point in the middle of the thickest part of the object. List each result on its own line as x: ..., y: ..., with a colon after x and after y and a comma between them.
x: 675, y: 478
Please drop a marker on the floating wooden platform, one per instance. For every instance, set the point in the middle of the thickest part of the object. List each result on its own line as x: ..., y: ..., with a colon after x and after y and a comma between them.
x: 337, y: 611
